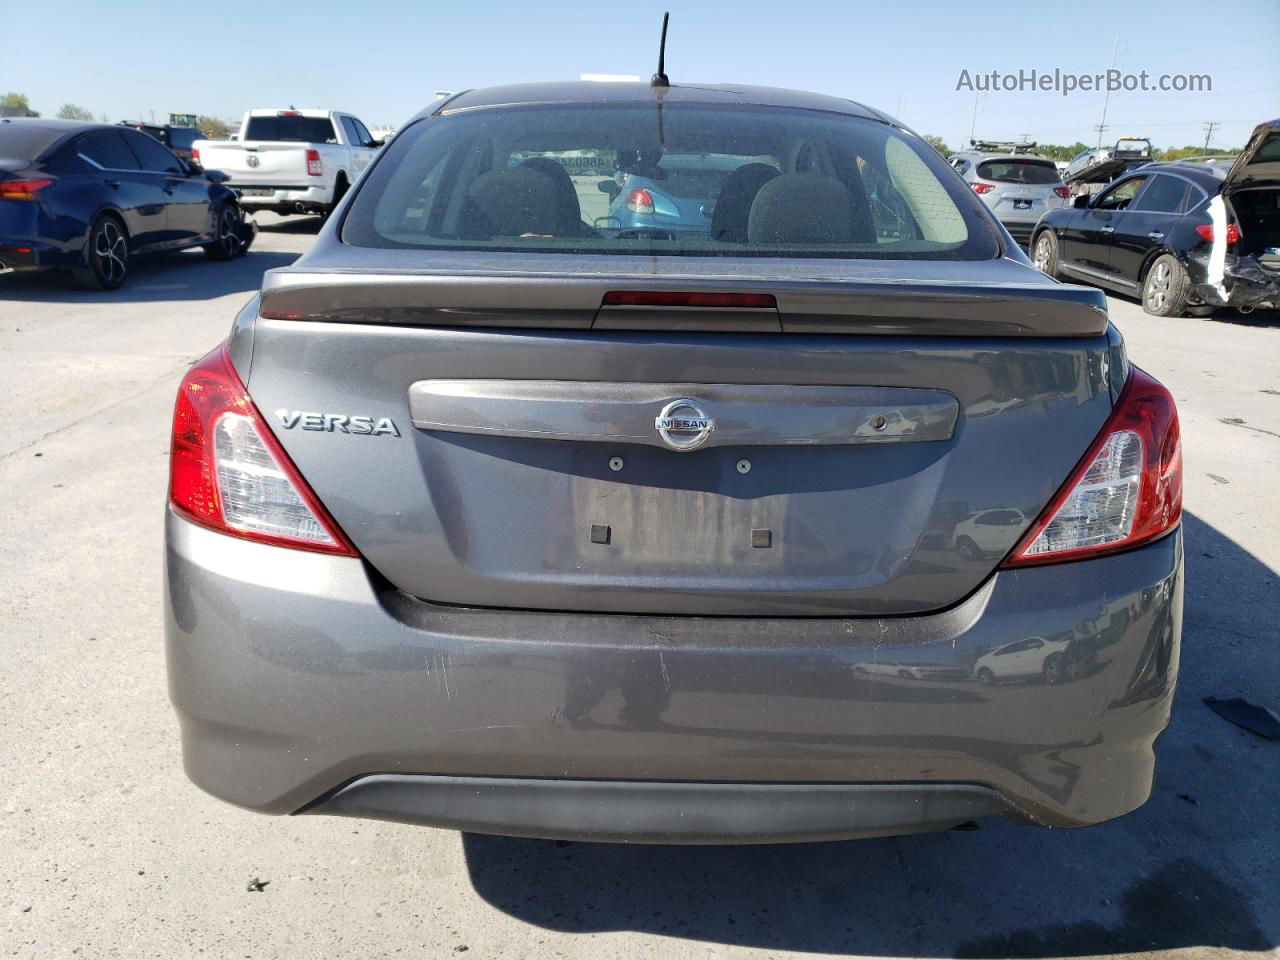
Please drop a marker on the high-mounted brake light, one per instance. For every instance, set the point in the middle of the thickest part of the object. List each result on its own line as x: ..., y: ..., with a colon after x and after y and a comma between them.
x: 229, y: 473
x: 665, y: 298
x: 288, y: 113
x: 21, y: 189
x: 1126, y: 490
x: 1062, y: 192
x: 980, y: 187
x: 640, y: 200
x: 314, y: 169
x: 1206, y: 232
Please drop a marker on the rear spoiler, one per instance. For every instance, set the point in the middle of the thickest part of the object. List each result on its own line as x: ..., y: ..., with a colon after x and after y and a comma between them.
x: 576, y: 302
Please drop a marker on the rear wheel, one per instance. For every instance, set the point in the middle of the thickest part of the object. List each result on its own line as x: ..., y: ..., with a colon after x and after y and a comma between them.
x: 1053, y: 669
x: 1044, y: 253
x: 106, y: 256
x: 339, y: 191
x: 1166, y: 288
x: 985, y: 676
x: 225, y: 242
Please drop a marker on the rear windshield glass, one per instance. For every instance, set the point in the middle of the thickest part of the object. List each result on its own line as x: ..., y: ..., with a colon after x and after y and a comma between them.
x: 691, y: 179
x: 1133, y: 148
x: 22, y: 143
x: 1019, y: 171
x: 302, y: 129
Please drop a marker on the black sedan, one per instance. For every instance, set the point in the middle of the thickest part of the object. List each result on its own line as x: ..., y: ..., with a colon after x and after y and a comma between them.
x: 1185, y: 237
x: 89, y: 197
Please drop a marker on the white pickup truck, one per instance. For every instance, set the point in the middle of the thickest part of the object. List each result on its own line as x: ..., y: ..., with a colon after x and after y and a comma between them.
x: 291, y: 161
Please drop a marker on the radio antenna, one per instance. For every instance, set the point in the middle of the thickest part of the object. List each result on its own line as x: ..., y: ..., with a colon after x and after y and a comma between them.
x: 660, y: 78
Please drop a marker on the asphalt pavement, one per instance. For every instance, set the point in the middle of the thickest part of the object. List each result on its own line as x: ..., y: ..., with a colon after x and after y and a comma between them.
x: 106, y: 850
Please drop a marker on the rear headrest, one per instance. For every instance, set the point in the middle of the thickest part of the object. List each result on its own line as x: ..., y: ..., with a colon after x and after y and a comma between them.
x: 801, y: 208
x: 733, y: 206
x: 517, y: 201
x: 566, y: 196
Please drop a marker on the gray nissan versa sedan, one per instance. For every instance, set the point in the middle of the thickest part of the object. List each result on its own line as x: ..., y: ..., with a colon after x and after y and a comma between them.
x: 491, y: 518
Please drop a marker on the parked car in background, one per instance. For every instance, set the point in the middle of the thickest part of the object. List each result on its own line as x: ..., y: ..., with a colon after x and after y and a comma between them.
x: 1104, y: 164
x: 178, y: 139
x: 292, y: 161
x: 672, y: 192
x: 89, y: 197
x: 488, y: 520
x: 1185, y: 237
x: 1017, y: 186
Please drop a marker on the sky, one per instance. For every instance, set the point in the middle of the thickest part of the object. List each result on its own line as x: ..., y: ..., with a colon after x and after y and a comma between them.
x: 383, y: 61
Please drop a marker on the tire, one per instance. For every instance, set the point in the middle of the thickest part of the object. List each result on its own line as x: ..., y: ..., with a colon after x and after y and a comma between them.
x: 339, y: 191
x: 106, y: 256
x: 905, y: 675
x: 226, y: 245
x: 1053, y: 669
x: 1044, y: 253
x: 968, y: 549
x: 1166, y: 288
x: 986, y: 677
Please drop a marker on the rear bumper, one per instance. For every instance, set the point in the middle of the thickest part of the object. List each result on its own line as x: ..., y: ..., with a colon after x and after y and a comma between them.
x: 303, y: 683
x: 282, y: 197
x: 1246, y: 283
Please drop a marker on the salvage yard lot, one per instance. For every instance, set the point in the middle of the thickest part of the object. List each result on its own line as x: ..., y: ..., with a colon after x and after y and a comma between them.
x: 108, y: 850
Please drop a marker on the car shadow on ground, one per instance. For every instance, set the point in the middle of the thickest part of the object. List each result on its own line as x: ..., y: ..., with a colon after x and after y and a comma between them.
x: 1227, y: 315
x: 187, y: 275
x: 305, y: 225
x: 1194, y: 867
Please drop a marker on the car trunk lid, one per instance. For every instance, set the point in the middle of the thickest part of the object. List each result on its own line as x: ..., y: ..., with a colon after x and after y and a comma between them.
x: 539, y: 459
x: 1259, y: 163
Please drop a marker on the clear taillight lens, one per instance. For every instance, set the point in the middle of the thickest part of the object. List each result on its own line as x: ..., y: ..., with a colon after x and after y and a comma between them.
x: 228, y: 472
x: 1126, y: 491
x: 256, y: 495
x: 1100, y: 509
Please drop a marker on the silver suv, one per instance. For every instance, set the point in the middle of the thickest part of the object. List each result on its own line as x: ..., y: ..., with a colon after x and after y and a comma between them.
x: 1014, y: 183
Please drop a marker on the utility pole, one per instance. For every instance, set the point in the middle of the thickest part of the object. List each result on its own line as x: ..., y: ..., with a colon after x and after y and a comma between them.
x: 1208, y: 132
x: 1106, y: 100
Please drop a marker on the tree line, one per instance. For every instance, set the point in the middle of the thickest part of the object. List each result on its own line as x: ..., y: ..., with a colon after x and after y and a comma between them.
x: 211, y: 127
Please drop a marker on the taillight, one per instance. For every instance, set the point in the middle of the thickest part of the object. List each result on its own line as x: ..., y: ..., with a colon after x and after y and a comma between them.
x: 1126, y: 491
x: 640, y: 200
x: 314, y: 168
x: 22, y: 189
x: 1206, y: 232
x: 195, y: 154
x: 229, y: 473
x: 1062, y: 192
x: 980, y: 187
x: 671, y: 298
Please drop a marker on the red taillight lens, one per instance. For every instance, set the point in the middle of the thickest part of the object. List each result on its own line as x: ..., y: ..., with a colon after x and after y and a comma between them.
x: 22, y: 189
x: 1126, y: 491
x: 228, y: 472
x: 314, y: 169
x: 1206, y: 232
x: 1062, y: 192
x: 640, y: 200
x: 980, y: 187
x: 195, y: 154
x: 664, y: 298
